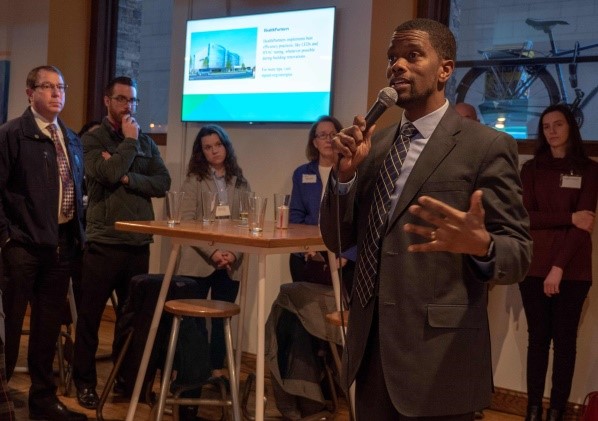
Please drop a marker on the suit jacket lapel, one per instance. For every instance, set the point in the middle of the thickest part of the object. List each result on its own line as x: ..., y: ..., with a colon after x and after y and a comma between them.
x: 441, y: 142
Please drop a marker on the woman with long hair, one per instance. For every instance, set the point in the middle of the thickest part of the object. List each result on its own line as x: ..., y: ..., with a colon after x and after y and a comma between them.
x: 560, y: 188
x: 213, y: 167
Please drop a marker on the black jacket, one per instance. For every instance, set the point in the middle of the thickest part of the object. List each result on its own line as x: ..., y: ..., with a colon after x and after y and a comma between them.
x: 29, y: 182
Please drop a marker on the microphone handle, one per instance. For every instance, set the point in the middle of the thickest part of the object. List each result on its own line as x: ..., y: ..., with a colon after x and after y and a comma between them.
x: 374, y: 114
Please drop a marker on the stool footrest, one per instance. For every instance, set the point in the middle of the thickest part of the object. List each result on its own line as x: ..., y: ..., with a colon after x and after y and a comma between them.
x: 335, y: 318
x: 198, y: 401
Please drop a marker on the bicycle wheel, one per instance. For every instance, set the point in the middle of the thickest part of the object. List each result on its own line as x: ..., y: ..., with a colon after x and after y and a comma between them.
x: 512, y: 96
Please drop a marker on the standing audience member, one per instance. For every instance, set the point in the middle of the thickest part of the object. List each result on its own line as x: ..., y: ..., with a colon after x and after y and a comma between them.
x: 560, y: 189
x: 466, y: 110
x: 124, y: 170
x: 213, y: 167
x: 41, y: 231
x: 418, y: 343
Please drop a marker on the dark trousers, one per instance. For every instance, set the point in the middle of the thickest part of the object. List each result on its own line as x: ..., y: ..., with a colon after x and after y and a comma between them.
x: 553, y: 318
x: 106, y: 268
x: 38, y: 276
x: 7, y: 407
x: 372, y: 401
x: 225, y: 289
x: 300, y: 272
x: 297, y: 267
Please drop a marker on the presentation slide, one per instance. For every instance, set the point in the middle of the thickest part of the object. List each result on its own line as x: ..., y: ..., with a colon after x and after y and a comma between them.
x: 274, y: 67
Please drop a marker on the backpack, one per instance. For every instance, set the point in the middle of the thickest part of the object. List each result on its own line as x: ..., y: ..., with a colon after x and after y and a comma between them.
x: 590, y: 404
x: 191, y: 361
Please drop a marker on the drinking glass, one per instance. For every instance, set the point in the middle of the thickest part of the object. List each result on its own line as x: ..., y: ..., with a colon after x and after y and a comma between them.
x: 208, y: 206
x: 174, y: 199
x: 257, y: 213
x: 281, y: 210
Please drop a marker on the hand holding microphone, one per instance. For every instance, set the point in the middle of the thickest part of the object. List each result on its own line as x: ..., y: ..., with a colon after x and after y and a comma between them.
x: 353, y: 143
x: 387, y: 97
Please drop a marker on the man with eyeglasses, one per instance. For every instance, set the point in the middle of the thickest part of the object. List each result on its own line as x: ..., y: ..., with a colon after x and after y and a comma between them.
x: 41, y: 231
x: 124, y: 170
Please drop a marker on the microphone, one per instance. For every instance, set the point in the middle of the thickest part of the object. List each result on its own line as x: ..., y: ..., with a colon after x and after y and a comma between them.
x: 386, y: 98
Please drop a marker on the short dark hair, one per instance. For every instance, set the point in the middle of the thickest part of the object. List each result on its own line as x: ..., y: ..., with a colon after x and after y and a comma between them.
x: 121, y: 80
x: 575, y: 150
x: 441, y: 37
x: 32, y: 75
x: 311, y: 152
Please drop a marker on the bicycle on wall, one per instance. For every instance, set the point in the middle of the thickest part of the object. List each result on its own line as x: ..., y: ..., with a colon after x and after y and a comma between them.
x: 512, y: 85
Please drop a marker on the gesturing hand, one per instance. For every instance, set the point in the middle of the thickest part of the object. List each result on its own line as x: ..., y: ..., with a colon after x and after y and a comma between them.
x: 452, y: 230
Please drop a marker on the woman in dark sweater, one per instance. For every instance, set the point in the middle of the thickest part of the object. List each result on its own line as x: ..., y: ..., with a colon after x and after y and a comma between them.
x: 560, y: 189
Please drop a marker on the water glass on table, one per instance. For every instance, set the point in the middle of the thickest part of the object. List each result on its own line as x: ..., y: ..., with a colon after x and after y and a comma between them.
x: 244, y: 196
x: 174, y: 200
x: 257, y: 213
x: 208, y: 206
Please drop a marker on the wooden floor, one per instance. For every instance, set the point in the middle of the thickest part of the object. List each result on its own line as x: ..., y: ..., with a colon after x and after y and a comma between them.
x: 116, y: 408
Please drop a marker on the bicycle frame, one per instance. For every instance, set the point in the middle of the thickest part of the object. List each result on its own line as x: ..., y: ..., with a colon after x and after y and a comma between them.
x: 554, y: 52
x: 513, y: 77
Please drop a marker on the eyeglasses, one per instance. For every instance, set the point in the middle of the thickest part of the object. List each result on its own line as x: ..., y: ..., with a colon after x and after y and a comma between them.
x: 47, y: 86
x: 323, y: 135
x: 122, y: 100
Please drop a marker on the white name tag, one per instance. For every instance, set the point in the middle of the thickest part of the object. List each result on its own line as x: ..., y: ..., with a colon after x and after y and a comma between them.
x: 570, y: 181
x: 222, y: 211
x: 309, y: 178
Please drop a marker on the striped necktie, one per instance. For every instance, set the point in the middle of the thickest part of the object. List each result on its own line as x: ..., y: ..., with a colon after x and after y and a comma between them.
x: 367, y: 267
x: 67, y: 205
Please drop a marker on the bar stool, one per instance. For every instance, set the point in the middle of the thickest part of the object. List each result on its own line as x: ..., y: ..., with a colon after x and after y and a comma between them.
x: 199, y: 308
x: 335, y: 318
x: 340, y: 319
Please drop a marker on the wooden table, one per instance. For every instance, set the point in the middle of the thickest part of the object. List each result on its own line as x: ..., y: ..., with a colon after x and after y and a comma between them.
x: 226, y: 234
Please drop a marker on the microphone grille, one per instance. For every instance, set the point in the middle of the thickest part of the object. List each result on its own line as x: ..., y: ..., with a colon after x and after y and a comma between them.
x: 388, y: 96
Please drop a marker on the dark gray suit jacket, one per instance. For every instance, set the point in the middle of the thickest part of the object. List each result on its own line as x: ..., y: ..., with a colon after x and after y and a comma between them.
x: 433, y: 323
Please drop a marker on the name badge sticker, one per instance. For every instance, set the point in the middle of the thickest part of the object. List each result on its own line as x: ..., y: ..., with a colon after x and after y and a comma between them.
x: 309, y: 179
x: 569, y: 181
x: 222, y: 211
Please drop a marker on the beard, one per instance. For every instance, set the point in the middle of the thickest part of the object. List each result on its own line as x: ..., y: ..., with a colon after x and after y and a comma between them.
x: 117, y: 116
x: 414, y: 97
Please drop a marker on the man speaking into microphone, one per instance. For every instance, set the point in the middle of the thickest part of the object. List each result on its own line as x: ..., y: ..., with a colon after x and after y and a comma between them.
x: 434, y: 206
